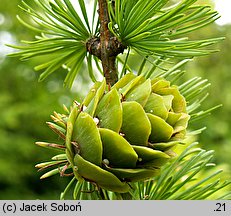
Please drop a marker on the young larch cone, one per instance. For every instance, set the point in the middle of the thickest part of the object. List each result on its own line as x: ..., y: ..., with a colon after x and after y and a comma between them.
x: 124, y: 133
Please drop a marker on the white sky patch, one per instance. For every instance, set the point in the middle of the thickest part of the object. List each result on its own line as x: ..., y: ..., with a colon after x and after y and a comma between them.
x: 5, y: 38
x: 224, y: 9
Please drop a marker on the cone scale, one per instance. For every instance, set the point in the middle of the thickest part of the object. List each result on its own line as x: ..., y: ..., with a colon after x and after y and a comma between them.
x: 124, y: 133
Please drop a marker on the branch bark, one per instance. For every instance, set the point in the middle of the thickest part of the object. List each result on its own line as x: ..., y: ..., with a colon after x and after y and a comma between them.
x: 107, y: 46
x: 108, y: 62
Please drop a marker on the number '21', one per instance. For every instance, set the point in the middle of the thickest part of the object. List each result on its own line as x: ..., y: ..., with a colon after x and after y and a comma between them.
x: 220, y: 207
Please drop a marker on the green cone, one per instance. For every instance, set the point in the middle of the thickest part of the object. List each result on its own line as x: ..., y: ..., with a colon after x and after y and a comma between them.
x: 124, y: 134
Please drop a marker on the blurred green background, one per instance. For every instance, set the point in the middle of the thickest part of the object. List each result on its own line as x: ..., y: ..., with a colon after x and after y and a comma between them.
x: 26, y: 104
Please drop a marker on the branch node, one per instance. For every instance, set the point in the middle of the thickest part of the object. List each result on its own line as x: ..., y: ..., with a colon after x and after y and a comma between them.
x: 107, y: 46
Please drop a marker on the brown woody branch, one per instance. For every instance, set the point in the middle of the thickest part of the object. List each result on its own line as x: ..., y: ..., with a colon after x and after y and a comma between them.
x: 107, y: 46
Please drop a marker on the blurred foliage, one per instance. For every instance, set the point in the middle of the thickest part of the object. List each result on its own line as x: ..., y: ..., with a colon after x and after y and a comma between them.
x: 25, y: 104
x: 216, y: 68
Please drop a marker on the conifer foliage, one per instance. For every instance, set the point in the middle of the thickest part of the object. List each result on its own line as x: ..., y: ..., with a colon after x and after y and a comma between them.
x: 120, y: 141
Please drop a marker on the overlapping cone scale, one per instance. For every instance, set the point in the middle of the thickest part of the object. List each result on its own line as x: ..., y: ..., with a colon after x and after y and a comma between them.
x: 124, y: 133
